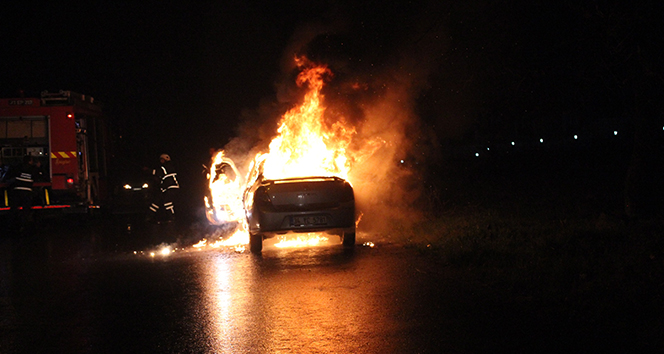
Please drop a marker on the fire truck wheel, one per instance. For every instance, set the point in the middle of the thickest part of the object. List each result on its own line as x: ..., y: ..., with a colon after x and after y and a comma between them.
x: 256, y: 243
x: 349, y: 239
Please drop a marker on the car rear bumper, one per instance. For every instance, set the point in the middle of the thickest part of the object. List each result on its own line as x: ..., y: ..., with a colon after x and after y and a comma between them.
x: 274, y: 222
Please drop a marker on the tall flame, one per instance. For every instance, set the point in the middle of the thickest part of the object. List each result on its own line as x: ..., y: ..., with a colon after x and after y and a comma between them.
x: 305, y: 146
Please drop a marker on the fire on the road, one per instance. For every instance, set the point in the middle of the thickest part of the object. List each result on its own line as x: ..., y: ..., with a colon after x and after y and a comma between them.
x: 237, y: 241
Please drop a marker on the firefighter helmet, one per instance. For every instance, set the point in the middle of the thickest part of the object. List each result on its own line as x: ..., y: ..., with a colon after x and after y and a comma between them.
x: 165, y: 157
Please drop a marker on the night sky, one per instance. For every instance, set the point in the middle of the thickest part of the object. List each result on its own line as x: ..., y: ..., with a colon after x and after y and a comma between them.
x: 182, y: 78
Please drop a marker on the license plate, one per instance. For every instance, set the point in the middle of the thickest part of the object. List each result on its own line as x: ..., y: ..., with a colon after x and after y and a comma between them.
x: 311, y: 220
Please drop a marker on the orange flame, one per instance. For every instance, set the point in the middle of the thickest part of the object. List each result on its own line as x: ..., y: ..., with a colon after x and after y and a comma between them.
x: 305, y: 146
x: 225, y: 202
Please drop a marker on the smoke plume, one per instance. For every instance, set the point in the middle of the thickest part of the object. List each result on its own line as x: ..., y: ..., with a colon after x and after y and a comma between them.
x: 378, y: 96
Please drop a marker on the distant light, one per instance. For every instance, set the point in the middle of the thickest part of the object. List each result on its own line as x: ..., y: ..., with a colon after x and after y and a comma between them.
x: 401, y: 161
x: 487, y: 149
x: 145, y: 185
x: 541, y: 140
x: 576, y: 137
x: 512, y: 143
x: 126, y: 186
x: 477, y: 154
x: 615, y: 132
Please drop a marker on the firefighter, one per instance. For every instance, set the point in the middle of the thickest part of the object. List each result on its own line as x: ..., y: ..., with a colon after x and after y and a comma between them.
x: 22, y: 194
x: 168, y: 183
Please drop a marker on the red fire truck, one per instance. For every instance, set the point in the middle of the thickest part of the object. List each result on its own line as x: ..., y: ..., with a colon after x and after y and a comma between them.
x: 67, y: 134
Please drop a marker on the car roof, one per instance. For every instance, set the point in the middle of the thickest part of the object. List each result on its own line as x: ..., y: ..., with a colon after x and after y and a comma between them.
x: 303, y: 179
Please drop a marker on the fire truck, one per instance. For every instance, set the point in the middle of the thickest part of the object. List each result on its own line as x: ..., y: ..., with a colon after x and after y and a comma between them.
x: 67, y: 136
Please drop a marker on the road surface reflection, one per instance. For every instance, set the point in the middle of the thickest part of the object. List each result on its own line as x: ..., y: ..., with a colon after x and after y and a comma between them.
x: 67, y: 292
x: 291, y: 301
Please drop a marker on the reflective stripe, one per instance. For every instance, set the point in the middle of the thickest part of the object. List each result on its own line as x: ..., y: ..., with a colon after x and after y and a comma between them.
x: 66, y: 154
x: 168, y: 180
x: 23, y: 179
x: 63, y: 154
x: 23, y: 188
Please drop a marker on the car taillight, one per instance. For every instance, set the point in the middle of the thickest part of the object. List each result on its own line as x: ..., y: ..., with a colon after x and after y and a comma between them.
x: 70, y: 182
x: 261, y: 196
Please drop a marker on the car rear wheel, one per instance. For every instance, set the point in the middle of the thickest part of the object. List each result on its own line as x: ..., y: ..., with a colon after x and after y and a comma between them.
x: 349, y: 239
x: 256, y: 243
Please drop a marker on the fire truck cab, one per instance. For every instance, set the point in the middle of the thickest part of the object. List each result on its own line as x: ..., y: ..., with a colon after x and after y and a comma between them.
x: 66, y: 133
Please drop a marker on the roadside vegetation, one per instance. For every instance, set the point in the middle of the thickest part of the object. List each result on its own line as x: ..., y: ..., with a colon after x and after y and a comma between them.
x: 555, y: 241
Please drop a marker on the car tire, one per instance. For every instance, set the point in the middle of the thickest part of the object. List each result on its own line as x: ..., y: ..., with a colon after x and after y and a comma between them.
x: 256, y: 243
x: 349, y: 239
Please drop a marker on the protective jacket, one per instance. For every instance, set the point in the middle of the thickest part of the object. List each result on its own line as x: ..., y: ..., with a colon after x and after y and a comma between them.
x: 25, y: 177
x: 168, y: 178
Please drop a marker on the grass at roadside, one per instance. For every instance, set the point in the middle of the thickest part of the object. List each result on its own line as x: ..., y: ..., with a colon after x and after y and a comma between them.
x: 554, y: 243
x: 601, y: 277
x: 538, y: 221
x: 585, y: 250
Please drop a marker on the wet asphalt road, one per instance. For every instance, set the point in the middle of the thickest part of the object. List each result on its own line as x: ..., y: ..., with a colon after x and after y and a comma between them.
x: 61, y: 294
x: 83, y: 290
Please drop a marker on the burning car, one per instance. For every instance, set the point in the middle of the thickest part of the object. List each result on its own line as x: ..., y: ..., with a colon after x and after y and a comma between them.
x: 304, y: 204
x: 299, y: 184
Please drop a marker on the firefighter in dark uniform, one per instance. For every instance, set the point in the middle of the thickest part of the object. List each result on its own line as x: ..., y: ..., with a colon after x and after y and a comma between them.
x: 22, y: 193
x: 168, y: 183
